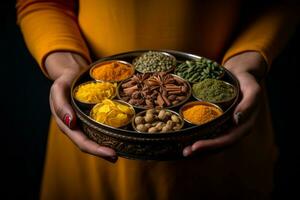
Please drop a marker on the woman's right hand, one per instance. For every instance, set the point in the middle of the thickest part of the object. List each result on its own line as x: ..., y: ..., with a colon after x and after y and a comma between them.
x: 63, y: 68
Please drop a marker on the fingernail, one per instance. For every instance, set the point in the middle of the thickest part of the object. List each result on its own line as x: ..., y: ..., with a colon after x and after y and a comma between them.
x: 238, y: 118
x: 68, y: 120
x: 187, y: 151
x: 112, y: 159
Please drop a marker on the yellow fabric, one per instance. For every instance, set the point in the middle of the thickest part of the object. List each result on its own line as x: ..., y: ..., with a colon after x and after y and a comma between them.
x: 50, y: 26
x: 244, y: 171
x: 267, y: 34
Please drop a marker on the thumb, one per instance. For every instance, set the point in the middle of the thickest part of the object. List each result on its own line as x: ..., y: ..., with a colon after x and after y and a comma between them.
x: 250, y: 97
x: 60, y: 98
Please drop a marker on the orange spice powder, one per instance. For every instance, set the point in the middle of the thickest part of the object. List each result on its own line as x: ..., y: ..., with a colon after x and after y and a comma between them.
x: 112, y: 71
x: 201, y: 114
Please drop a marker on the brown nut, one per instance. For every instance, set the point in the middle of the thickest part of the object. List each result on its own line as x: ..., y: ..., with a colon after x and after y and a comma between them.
x: 152, y: 130
x: 149, y: 118
x: 165, y: 129
x: 141, y: 127
x: 147, y: 125
x: 139, y: 120
x: 162, y: 114
x: 175, y: 119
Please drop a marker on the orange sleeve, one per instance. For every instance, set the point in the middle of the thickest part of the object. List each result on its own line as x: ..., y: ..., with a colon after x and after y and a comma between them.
x: 267, y: 34
x: 49, y: 26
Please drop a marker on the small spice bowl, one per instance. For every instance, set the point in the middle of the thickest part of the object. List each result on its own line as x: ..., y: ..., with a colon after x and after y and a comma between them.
x: 214, y: 113
x: 152, y: 62
x: 199, y: 69
x: 111, y: 64
x: 158, y: 121
x: 94, y: 96
x: 175, y: 93
x: 205, y: 90
x: 130, y: 113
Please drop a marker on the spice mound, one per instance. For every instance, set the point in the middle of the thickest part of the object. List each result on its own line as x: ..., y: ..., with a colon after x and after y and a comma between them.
x: 157, y: 121
x: 153, y: 61
x: 94, y: 92
x: 213, y: 90
x: 198, y: 70
x: 200, y: 113
x: 112, y: 113
x: 157, y: 90
x: 112, y: 71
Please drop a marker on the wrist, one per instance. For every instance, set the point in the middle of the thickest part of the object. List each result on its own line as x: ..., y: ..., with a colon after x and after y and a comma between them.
x: 59, y: 63
x: 251, y: 62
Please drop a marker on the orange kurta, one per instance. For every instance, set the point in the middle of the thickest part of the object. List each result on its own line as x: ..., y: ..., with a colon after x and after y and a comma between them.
x: 206, y: 28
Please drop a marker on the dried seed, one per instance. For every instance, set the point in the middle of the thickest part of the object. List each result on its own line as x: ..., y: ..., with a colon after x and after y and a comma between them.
x: 162, y: 114
x: 141, y: 127
x: 139, y: 120
x: 175, y: 119
x: 152, y: 130
x: 149, y: 118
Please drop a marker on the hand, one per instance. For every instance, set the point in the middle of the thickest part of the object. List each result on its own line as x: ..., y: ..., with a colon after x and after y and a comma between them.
x: 63, y: 67
x: 247, y: 67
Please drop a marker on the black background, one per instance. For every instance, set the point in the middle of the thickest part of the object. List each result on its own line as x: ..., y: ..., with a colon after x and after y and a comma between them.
x: 24, y: 114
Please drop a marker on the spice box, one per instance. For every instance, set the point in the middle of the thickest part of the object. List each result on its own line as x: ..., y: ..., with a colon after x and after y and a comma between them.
x: 164, y: 93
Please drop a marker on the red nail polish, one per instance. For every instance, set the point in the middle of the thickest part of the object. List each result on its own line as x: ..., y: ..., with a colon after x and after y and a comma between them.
x: 68, y: 120
x: 111, y: 159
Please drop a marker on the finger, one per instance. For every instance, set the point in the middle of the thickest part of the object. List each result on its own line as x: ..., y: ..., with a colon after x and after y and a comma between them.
x: 250, y: 93
x: 222, y: 141
x: 59, y: 96
x: 187, y: 151
x: 83, y: 142
x: 227, y: 139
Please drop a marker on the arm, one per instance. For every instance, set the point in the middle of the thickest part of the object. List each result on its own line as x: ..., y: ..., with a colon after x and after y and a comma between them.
x: 50, y: 26
x: 267, y: 34
x: 53, y: 37
x: 249, y: 59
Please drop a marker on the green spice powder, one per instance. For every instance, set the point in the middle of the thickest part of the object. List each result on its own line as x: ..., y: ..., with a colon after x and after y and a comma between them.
x: 213, y: 90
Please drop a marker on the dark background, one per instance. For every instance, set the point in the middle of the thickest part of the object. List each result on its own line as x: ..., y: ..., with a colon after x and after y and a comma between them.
x: 25, y: 114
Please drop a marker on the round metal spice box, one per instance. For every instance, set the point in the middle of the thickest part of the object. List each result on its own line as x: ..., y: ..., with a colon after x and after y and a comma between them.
x: 155, y: 146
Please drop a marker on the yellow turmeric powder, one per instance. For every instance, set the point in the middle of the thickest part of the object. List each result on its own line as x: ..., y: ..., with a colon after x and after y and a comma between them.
x: 95, y: 92
x: 112, y: 71
x: 201, y: 113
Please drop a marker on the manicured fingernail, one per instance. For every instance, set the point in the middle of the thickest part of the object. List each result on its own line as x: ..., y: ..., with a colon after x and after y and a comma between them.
x: 68, y: 120
x: 238, y: 117
x: 112, y: 159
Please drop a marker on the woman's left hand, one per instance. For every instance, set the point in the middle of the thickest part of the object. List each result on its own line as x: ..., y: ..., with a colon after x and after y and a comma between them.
x: 247, y: 67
